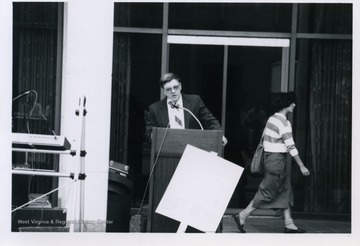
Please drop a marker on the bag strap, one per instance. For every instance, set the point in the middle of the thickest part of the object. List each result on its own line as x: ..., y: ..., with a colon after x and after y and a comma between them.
x: 262, y: 136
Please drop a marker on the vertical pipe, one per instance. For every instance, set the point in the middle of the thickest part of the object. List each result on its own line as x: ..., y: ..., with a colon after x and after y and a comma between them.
x: 285, y: 70
x: 59, y: 53
x: 164, y: 45
x: 126, y: 101
x: 293, y: 47
x: 82, y: 154
x: 225, y: 67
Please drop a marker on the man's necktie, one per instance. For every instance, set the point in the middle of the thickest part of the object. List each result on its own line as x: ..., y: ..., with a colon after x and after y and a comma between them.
x: 178, y: 120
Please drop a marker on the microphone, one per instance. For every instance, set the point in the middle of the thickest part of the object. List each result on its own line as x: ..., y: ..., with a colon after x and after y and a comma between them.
x: 21, y: 95
x: 173, y: 105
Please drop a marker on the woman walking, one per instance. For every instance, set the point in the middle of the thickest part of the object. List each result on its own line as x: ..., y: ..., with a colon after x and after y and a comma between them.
x: 274, y: 191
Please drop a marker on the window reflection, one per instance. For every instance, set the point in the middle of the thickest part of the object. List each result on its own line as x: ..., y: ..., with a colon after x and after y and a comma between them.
x: 35, y: 86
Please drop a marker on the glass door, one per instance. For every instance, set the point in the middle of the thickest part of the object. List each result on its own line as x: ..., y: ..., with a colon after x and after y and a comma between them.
x: 200, y: 67
x: 235, y: 79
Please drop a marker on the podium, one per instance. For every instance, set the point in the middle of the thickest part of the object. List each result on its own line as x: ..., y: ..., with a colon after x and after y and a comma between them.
x: 167, y: 148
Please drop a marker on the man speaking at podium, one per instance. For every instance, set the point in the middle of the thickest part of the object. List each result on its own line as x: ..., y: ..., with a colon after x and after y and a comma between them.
x: 179, y: 110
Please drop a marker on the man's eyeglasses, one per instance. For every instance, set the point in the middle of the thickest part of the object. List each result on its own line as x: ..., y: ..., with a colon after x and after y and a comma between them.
x: 170, y: 89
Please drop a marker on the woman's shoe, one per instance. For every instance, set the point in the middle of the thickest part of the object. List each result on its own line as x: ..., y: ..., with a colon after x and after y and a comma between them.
x: 237, y: 221
x: 298, y: 230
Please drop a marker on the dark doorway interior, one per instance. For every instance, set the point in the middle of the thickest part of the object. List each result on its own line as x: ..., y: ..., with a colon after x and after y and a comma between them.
x: 253, y: 72
x: 250, y: 72
x: 250, y: 78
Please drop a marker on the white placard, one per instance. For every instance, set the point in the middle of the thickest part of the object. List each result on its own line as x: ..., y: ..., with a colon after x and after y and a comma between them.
x: 200, y: 189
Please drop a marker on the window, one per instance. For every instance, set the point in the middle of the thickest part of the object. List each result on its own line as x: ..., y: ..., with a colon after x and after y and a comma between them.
x: 257, y: 17
x: 37, y: 36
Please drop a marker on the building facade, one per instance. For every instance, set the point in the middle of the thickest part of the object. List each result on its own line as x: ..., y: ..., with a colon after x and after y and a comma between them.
x: 234, y: 55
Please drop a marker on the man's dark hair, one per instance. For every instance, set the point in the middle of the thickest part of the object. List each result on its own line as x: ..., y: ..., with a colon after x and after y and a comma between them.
x: 283, y: 100
x: 167, y: 78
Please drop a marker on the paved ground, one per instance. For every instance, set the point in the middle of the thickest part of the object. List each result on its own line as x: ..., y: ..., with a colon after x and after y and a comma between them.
x: 274, y: 223
x: 266, y: 228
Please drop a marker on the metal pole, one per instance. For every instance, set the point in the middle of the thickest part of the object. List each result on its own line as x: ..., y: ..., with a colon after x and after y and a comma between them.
x: 82, y: 113
x: 44, y: 195
x: 225, y: 75
x: 42, y: 173
x: 68, y: 152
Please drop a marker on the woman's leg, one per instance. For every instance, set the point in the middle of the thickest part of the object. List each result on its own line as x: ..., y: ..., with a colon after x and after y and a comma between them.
x: 287, y: 213
x: 246, y: 212
x: 289, y: 223
x: 290, y: 227
x: 242, y: 216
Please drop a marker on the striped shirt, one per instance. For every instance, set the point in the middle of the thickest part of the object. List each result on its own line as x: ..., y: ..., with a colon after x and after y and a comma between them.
x: 278, y: 135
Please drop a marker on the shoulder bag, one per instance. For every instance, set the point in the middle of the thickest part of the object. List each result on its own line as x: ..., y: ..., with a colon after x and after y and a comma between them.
x: 257, y: 165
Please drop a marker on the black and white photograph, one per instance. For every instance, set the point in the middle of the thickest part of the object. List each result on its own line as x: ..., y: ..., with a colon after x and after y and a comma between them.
x: 179, y: 122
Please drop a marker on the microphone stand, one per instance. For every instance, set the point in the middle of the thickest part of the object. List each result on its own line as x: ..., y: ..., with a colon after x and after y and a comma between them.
x: 27, y: 116
x: 49, y: 127
x: 191, y: 113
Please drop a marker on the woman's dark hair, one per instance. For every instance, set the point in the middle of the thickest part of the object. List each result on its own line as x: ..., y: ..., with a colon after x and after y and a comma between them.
x: 167, y: 78
x: 282, y: 100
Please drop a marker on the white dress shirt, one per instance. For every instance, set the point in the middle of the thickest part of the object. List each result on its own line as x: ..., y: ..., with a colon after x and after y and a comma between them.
x: 176, y: 115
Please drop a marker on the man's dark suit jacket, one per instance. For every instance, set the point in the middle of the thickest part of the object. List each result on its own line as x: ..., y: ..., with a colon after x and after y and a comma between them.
x: 158, y: 115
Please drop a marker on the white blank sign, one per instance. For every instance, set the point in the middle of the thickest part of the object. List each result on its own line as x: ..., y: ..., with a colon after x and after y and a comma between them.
x: 200, y: 189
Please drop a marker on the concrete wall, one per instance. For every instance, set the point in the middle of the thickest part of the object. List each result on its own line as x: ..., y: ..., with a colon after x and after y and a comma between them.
x: 5, y: 116
x: 87, y: 68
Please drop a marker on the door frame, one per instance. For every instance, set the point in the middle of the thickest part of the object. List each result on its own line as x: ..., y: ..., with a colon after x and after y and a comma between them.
x: 283, y: 43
